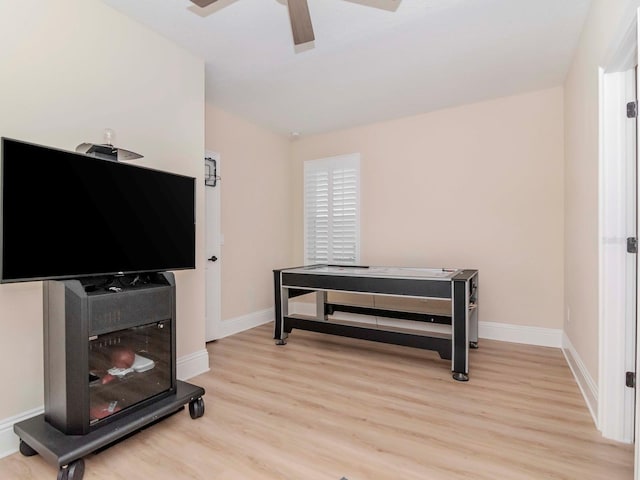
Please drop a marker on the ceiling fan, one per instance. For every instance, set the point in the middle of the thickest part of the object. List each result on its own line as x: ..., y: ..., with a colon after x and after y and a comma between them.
x: 298, y: 15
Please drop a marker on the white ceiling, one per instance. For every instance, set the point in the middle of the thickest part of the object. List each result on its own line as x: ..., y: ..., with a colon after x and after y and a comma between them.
x: 372, y: 60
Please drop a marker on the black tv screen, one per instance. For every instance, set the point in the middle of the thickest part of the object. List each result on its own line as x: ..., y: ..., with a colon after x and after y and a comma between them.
x: 66, y: 215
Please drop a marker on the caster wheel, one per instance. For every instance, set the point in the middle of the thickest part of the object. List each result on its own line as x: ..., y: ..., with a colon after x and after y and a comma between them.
x: 461, y: 377
x: 196, y: 408
x: 73, y: 471
x: 26, y: 450
x: 473, y: 345
x: 281, y: 342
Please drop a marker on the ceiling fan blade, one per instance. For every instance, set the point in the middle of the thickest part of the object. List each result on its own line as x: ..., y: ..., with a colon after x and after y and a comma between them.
x: 203, y: 3
x: 300, y: 21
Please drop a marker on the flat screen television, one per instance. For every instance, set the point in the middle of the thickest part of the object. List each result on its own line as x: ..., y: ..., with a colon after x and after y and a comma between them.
x: 67, y: 215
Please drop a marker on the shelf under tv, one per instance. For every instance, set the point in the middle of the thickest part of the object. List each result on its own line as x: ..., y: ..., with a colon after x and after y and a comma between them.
x: 37, y: 436
x: 109, y: 367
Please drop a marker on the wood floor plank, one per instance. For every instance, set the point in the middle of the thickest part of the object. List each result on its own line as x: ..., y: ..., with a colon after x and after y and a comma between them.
x: 324, y: 407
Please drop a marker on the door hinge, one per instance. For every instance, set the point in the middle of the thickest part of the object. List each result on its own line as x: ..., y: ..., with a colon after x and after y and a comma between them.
x: 632, y: 109
x: 631, y: 379
x: 632, y: 245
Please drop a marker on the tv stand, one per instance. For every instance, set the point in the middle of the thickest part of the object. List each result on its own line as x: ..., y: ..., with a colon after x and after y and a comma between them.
x: 109, y: 367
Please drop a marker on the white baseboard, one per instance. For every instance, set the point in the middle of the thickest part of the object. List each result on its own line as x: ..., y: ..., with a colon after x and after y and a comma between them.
x: 244, y: 322
x: 585, y: 382
x: 187, y: 366
x: 8, y: 440
x: 506, y: 332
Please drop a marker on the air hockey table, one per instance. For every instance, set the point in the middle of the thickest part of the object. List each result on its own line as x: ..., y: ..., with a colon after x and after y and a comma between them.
x: 460, y: 286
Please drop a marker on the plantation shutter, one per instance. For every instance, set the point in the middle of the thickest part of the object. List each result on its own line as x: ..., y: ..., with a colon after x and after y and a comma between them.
x: 331, y: 210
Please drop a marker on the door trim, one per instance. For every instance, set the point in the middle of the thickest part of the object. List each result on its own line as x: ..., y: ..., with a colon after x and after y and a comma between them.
x: 213, y: 286
x: 616, y: 409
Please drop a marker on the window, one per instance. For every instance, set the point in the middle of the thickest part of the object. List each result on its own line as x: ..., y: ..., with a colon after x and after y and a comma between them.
x: 332, y: 210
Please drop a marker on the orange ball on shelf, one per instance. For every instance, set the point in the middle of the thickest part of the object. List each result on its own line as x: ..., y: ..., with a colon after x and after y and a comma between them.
x: 122, y: 357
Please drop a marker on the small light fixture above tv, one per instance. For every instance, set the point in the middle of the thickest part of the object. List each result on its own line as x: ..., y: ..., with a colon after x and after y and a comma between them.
x: 107, y: 150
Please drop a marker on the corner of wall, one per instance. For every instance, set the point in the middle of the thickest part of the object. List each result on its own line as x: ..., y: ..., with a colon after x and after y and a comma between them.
x: 585, y: 382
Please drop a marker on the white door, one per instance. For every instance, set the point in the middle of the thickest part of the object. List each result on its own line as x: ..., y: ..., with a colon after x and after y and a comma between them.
x: 213, y: 245
x: 632, y: 258
x: 637, y: 211
x: 616, y: 402
x: 631, y: 236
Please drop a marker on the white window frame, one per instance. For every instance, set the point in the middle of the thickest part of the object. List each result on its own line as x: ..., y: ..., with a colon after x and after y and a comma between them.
x: 331, y: 165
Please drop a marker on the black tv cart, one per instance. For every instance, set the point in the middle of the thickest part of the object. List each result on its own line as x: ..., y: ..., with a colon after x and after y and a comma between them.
x: 109, y: 366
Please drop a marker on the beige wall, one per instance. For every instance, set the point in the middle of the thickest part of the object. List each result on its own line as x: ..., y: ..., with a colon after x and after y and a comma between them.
x: 478, y: 186
x: 605, y: 20
x: 70, y: 68
x: 255, y: 210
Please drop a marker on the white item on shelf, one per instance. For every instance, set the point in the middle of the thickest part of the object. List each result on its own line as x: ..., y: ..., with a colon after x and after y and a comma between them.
x: 142, y: 364
x: 119, y: 372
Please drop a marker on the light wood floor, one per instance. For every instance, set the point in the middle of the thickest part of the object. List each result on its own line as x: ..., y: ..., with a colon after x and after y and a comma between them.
x: 325, y: 407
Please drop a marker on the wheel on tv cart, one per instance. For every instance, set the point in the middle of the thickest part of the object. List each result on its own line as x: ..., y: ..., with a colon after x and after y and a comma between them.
x: 73, y: 471
x: 26, y: 450
x: 196, y: 408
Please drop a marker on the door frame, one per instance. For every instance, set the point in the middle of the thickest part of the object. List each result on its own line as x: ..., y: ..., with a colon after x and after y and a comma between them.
x: 213, y: 246
x: 617, y: 317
